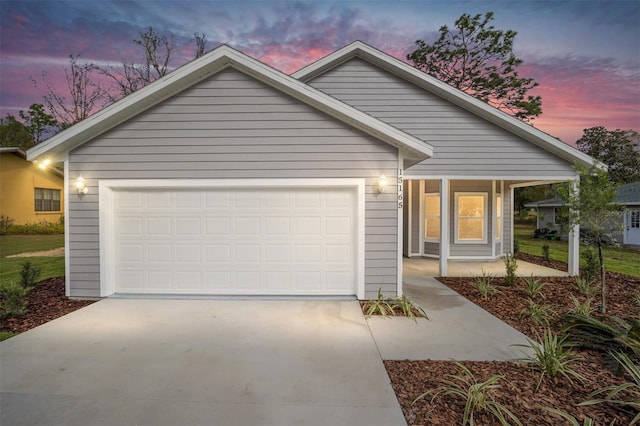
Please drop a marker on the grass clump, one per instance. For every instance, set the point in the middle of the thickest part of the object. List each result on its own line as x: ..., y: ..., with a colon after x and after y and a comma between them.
x: 386, y: 306
x: 484, y: 286
x: 551, y: 357
x: 582, y: 308
x: 586, y: 286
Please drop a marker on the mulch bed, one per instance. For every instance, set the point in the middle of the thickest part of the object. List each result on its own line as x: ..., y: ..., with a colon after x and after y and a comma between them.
x: 412, y: 378
x: 46, y: 302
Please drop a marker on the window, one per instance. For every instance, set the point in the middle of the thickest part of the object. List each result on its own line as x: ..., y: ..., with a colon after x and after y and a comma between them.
x: 432, y: 217
x: 498, y: 216
x: 560, y: 214
x: 471, y: 217
x: 47, y: 200
x: 635, y: 219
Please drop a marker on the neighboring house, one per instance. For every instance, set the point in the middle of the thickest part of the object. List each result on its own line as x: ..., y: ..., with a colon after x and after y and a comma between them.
x: 628, y: 222
x: 29, y: 193
x: 228, y: 177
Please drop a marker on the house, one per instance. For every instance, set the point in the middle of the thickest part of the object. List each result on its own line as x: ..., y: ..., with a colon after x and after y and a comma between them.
x: 228, y: 177
x: 29, y: 193
x: 628, y: 196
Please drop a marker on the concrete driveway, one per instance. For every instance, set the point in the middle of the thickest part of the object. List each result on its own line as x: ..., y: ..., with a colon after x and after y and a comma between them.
x: 198, y: 362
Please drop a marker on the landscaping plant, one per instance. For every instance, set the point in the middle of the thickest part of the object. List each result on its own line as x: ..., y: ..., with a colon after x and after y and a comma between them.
x: 551, y: 357
x: 477, y: 396
x: 540, y: 314
x: 625, y: 395
x: 582, y: 308
x: 407, y: 307
x: 615, y: 335
x: 591, y: 267
x: 29, y: 274
x: 588, y: 421
x: 510, y: 264
x: 534, y: 286
x: 484, y: 286
x: 380, y: 306
x: 586, y: 286
x: 388, y: 305
x: 545, y: 251
x: 14, y: 303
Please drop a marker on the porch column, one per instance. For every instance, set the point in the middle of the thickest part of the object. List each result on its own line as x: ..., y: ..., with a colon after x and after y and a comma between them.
x: 444, y: 226
x: 573, y: 263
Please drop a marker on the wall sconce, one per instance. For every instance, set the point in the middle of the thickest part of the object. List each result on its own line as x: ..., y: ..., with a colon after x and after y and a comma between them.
x: 81, y: 186
x: 382, y: 182
x: 44, y: 163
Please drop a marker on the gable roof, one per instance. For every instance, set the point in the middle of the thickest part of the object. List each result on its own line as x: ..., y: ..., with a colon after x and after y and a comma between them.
x: 206, y: 66
x: 361, y: 50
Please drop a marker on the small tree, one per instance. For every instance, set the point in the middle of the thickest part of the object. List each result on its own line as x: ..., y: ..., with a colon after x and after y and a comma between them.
x: 479, y: 60
x: 618, y: 149
x: 592, y: 207
x: 38, y: 122
x: 14, y: 134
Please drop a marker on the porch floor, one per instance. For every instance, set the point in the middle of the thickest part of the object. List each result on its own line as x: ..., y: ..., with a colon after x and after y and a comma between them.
x: 464, y: 268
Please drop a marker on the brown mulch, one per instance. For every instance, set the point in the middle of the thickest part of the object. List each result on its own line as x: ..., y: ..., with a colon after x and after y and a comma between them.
x: 46, y: 302
x: 412, y: 378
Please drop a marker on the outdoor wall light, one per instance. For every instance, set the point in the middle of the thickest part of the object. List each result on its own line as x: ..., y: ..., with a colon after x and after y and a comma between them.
x: 382, y: 182
x: 81, y: 186
x: 44, y: 163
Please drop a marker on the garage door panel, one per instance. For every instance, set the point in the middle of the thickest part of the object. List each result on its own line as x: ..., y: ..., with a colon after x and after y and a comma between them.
x: 235, y: 241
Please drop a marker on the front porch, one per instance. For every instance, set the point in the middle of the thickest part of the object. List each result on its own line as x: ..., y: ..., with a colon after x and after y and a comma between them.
x: 471, y: 268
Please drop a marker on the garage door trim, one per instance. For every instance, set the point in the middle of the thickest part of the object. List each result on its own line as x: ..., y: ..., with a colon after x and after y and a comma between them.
x: 106, y: 200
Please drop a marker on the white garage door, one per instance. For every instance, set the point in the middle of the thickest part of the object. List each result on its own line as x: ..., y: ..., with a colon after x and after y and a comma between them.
x: 266, y: 241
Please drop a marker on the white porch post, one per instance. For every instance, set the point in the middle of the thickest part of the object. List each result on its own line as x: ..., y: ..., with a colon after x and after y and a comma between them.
x: 444, y: 226
x: 574, y: 244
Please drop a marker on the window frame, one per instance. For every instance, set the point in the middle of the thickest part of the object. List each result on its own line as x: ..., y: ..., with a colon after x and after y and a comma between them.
x: 425, y: 217
x: 484, y: 217
x: 43, y: 204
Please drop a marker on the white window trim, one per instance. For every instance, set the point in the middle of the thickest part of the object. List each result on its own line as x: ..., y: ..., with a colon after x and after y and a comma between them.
x: 106, y: 187
x: 424, y: 217
x: 485, y: 196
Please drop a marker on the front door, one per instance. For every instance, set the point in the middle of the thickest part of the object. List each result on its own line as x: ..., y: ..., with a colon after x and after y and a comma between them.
x: 633, y: 227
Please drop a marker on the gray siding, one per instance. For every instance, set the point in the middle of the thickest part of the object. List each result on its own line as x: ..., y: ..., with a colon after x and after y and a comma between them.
x: 232, y: 126
x: 464, y: 144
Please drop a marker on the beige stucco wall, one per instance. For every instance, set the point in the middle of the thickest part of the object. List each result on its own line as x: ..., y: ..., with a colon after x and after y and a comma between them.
x: 18, y: 180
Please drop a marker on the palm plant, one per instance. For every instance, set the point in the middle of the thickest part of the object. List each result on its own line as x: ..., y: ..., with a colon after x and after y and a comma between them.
x: 477, y: 396
x: 625, y: 395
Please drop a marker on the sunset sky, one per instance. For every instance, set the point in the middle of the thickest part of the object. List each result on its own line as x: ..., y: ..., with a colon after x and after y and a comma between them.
x: 584, y: 54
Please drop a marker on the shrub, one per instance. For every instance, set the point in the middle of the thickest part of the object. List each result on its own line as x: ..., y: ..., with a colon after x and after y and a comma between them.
x: 484, y: 286
x: 610, y: 335
x: 477, y: 396
x: 625, y: 395
x: 5, y: 222
x: 586, y: 287
x: 545, y: 251
x: 540, y: 314
x: 407, y: 308
x: 42, y: 228
x: 534, y: 286
x: 591, y: 269
x: 510, y: 264
x: 551, y: 357
x: 516, y: 247
x: 14, y: 302
x: 29, y: 274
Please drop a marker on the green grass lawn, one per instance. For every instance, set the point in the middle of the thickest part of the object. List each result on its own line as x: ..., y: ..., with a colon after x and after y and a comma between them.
x: 14, y: 244
x: 623, y: 260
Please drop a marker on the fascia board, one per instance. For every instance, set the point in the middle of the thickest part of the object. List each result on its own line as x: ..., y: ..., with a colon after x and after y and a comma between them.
x: 206, y: 66
x: 447, y: 92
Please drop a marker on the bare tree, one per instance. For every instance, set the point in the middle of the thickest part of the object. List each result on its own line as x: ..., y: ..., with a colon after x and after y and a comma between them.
x: 156, y: 57
x: 83, y: 95
x: 201, y: 44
